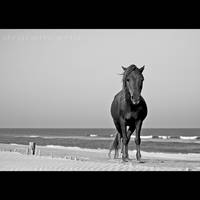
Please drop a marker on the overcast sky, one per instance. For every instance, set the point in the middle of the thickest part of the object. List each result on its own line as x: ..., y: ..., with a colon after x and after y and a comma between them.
x: 68, y: 78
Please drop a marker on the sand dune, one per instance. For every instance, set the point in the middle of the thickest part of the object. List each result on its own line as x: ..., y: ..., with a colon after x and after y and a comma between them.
x: 14, y: 158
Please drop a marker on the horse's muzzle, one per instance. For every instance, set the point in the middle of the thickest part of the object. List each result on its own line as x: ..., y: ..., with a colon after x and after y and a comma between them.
x: 135, y: 102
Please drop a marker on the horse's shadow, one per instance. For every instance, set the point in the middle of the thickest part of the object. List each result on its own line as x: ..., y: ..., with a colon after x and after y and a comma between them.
x: 130, y: 160
x: 137, y: 161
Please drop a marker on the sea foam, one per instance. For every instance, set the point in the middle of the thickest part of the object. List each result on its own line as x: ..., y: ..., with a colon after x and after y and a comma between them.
x: 76, y: 148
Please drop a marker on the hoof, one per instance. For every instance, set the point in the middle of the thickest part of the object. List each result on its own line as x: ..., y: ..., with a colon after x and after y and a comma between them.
x: 138, y: 156
x: 129, y: 159
x: 140, y: 161
x: 116, y: 156
x: 125, y: 159
x: 109, y: 155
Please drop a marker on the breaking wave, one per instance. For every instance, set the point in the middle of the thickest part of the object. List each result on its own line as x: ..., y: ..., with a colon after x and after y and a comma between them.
x: 164, y: 137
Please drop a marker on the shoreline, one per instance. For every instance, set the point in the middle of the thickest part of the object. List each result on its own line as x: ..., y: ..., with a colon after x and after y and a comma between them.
x: 156, y: 145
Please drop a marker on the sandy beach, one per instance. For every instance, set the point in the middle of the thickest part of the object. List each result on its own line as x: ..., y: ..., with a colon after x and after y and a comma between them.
x: 14, y: 158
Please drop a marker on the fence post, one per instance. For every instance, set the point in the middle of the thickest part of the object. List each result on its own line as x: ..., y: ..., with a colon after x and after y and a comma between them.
x: 32, y: 146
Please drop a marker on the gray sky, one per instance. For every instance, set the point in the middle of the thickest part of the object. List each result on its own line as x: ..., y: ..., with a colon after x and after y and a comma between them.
x: 68, y: 78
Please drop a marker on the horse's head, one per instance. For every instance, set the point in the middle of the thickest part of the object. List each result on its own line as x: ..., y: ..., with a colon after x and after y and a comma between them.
x: 133, y: 82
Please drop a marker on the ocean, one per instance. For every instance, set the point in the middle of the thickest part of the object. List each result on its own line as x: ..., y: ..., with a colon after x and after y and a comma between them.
x: 153, y: 140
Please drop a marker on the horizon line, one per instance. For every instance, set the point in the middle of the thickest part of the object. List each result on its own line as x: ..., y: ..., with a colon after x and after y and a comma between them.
x: 95, y: 128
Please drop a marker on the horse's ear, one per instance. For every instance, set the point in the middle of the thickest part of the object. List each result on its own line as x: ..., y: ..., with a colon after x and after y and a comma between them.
x: 124, y: 68
x: 142, y: 68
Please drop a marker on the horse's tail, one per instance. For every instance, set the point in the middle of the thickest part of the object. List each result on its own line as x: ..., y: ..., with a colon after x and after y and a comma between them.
x: 115, y: 145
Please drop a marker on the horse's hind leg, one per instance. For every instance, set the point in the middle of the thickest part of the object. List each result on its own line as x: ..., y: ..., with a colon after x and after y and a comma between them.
x: 115, y: 145
x: 118, y: 138
x: 116, y: 142
x: 109, y: 153
x: 116, y: 154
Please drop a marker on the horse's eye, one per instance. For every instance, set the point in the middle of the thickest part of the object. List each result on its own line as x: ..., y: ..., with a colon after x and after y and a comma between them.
x: 127, y: 80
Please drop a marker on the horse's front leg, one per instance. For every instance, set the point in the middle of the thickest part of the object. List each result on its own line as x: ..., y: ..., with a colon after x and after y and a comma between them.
x: 124, y: 142
x: 129, y: 133
x: 138, y: 140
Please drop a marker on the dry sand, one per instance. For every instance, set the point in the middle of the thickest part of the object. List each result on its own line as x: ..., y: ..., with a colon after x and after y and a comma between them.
x: 14, y: 158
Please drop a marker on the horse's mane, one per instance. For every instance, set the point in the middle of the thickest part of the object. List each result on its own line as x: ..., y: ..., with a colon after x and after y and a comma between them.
x: 126, y: 73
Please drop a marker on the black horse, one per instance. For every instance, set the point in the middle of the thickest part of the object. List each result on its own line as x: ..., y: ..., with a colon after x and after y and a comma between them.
x: 129, y: 109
